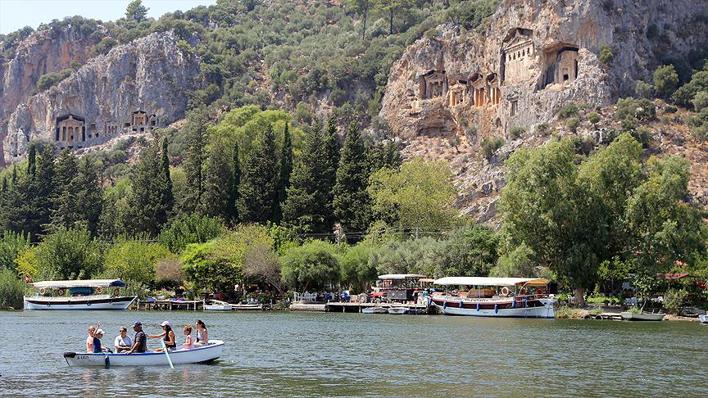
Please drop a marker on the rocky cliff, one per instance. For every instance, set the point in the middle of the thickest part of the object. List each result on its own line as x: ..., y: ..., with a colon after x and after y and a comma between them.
x: 511, y: 76
x: 135, y: 87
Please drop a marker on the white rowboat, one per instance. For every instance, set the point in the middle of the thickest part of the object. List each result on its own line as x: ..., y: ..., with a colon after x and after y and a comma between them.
x: 644, y: 316
x: 398, y: 310
x: 374, y: 310
x: 703, y: 319
x: 218, y: 305
x: 198, y: 354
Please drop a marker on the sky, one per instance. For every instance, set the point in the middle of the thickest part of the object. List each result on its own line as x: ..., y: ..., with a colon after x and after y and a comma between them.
x: 16, y: 14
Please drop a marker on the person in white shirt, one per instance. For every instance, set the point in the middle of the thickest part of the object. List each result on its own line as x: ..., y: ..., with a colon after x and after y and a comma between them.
x: 122, y: 341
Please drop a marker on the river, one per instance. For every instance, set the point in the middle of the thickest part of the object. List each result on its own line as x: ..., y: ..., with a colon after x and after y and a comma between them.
x: 332, y: 354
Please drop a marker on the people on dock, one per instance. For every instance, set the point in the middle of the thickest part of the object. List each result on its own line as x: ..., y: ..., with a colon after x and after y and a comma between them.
x: 202, y: 333
x: 139, y: 341
x: 187, y: 330
x: 122, y: 342
x: 89, y: 338
x: 168, y: 335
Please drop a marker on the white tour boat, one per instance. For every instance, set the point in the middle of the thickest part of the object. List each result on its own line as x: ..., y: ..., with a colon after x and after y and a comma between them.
x: 217, y: 305
x: 495, y: 297
x: 92, y: 294
x: 197, y: 354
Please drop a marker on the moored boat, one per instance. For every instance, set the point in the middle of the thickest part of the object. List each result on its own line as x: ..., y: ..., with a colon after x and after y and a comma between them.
x: 703, y: 319
x: 643, y: 316
x: 374, y: 310
x: 198, y: 354
x: 217, y: 305
x: 92, y: 294
x: 495, y: 297
x: 398, y: 310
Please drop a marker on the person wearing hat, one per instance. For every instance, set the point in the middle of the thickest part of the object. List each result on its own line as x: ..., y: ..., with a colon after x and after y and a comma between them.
x: 167, y: 335
x: 139, y: 341
x: 97, y: 336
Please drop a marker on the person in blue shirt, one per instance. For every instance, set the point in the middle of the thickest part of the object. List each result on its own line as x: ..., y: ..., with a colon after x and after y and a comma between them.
x: 97, y: 336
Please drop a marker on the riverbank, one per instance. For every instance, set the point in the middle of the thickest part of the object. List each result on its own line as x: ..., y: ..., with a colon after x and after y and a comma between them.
x: 565, y: 312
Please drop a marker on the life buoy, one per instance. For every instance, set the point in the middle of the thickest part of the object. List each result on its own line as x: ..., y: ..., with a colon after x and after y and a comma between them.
x: 99, y: 290
x: 505, y: 291
x: 61, y: 292
x: 42, y: 291
x: 116, y: 292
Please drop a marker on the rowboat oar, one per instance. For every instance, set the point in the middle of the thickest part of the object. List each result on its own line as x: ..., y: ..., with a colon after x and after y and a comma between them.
x: 167, y: 354
x: 107, y: 361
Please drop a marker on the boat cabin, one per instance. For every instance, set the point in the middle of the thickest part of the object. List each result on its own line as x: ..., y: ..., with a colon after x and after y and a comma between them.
x: 489, y: 288
x: 400, y: 287
x: 79, y: 288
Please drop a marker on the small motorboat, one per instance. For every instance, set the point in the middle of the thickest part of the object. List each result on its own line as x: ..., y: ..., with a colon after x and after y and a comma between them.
x: 643, y: 316
x: 374, y: 310
x: 198, y: 354
x: 398, y: 310
x: 703, y: 319
x: 217, y: 305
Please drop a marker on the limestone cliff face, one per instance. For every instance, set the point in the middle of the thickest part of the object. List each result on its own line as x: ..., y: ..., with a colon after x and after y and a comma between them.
x: 135, y: 87
x: 531, y: 58
x: 44, y: 51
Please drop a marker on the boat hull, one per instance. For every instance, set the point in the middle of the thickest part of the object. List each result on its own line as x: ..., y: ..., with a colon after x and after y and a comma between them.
x: 703, y: 319
x: 78, y: 303
x: 218, y: 308
x: 541, y: 308
x: 204, y: 354
x: 629, y: 316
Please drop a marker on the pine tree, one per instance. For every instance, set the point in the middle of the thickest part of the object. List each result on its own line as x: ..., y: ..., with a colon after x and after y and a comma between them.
x: 149, y: 211
x: 233, y: 209
x: 258, y: 187
x: 306, y: 207
x: 352, y: 206
x: 38, y: 193
x: 195, y: 132
x: 89, y: 195
x: 218, y: 184
x: 286, y: 168
x: 329, y: 173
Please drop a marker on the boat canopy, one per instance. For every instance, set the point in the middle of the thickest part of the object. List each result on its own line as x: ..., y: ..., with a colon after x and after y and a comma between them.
x: 401, y: 276
x: 79, y: 283
x: 479, y: 281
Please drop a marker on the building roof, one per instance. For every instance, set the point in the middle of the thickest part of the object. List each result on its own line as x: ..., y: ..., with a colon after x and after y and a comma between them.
x: 479, y: 281
x: 79, y: 283
x: 69, y: 115
x: 402, y: 276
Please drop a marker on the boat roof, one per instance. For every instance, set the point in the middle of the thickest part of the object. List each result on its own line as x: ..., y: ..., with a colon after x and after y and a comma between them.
x: 401, y: 276
x: 481, y: 281
x: 80, y: 283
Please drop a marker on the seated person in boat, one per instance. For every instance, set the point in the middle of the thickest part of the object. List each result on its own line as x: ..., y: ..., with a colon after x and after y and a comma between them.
x: 97, y: 336
x: 89, y: 338
x: 187, y: 337
x: 122, y: 342
x: 139, y: 341
x: 202, y: 333
x: 167, y: 335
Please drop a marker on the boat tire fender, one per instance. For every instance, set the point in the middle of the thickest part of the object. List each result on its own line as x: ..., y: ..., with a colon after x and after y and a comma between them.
x: 61, y: 292
x: 42, y: 291
x: 116, y: 292
x: 460, y: 303
x: 99, y: 290
x: 505, y: 291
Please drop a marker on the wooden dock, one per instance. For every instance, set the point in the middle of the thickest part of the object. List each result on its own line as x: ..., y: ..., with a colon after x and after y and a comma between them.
x: 338, y: 306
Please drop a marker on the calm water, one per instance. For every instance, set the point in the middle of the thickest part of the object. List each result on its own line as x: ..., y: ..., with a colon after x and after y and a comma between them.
x: 290, y: 354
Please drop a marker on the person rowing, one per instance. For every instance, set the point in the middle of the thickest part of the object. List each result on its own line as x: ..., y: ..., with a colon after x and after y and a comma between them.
x: 168, y: 335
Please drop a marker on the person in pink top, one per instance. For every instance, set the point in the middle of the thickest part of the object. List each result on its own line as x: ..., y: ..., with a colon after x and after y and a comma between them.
x: 89, y: 338
x: 187, y: 337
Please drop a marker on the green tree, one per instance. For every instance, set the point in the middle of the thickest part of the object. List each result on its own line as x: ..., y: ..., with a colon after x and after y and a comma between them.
x: 312, y: 266
x: 195, y: 133
x: 149, y: 209
x: 286, y: 168
x: 11, y: 290
x: 544, y: 207
x: 218, y: 197
x: 418, y: 197
x: 11, y: 245
x: 357, y: 271
x: 352, y: 205
x: 167, y: 195
x: 361, y: 7
x: 328, y: 178
x: 470, y: 250
x: 38, y: 193
x: 665, y: 80
x: 136, y: 11
x: 518, y: 263
x: 190, y: 228
x: 69, y: 254
x: 134, y: 260
x: 258, y: 186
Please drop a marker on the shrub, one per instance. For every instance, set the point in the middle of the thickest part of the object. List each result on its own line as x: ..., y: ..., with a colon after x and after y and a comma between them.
x: 50, y: 79
x: 543, y: 129
x: 11, y: 245
x: 187, y: 229
x: 69, y: 254
x: 567, y: 111
x: 594, y: 118
x: 665, y: 80
x: 11, y: 290
x: 134, y: 260
x: 671, y: 109
x: 606, y: 55
x: 490, y: 146
x: 516, y: 132
x: 700, y: 101
x: 674, y: 300
x: 313, y: 265
x: 635, y: 109
x: 685, y: 94
x: 573, y: 124
x: 168, y: 272
x: 643, y: 89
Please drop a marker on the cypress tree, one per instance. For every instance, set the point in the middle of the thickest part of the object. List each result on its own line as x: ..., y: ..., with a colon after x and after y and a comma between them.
x: 167, y: 195
x: 38, y: 195
x: 329, y: 173
x: 351, y: 200
x: 89, y: 195
x: 233, y: 209
x: 286, y: 168
x: 258, y: 187
x: 306, y: 207
x: 218, y: 183
x: 195, y: 132
x: 148, y: 208
x: 32, y: 160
